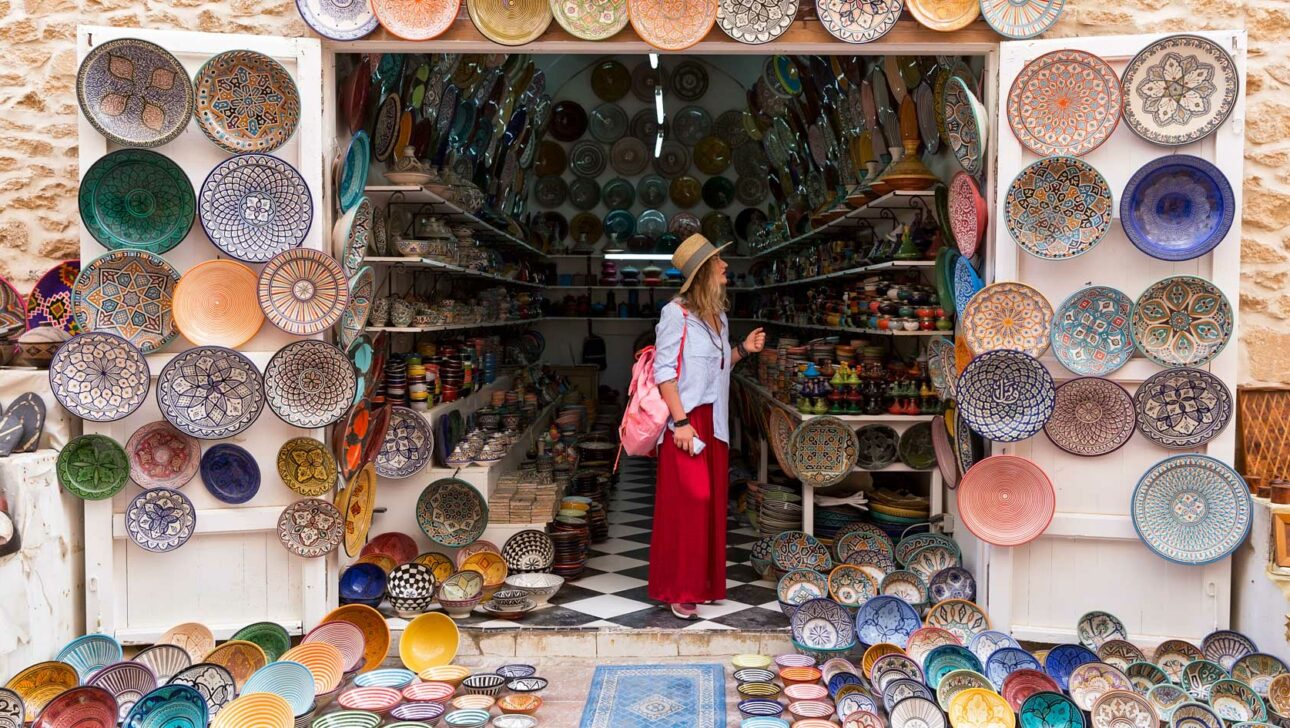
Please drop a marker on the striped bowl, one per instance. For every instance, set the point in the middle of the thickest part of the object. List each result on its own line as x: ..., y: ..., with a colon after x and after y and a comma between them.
x: 256, y: 710
x: 376, y: 700
x: 760, y: 707
x: 389, y: 677
x: 90, y: 653
x: 428, y: 692
x: 348, y: 719
x: 290, y: 680
x: 451, y: 674
x: 466, y: 719
x: 344, y: 636
x: 428, y: 712
x: 473, y: 702
x: 323, y: 660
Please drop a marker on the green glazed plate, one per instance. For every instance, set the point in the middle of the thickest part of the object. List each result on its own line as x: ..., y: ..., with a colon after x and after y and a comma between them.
x: 271, y: 637
x: 136, y: 198
x: 93, y: 467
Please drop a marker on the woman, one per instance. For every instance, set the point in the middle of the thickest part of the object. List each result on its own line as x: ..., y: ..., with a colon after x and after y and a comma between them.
x: 688, y: 547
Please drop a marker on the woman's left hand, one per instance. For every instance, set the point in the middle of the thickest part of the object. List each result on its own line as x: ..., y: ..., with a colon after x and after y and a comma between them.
x: 755, y: 341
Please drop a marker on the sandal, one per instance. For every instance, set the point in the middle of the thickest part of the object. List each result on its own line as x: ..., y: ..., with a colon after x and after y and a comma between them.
x: 686, y: 611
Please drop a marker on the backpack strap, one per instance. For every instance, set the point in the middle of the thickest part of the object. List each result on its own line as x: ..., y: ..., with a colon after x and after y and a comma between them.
x: 680, y: 352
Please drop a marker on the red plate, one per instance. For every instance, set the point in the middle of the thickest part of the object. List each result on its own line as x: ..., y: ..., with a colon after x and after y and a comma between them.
x: 946, y: 460
x: 358, y: 437
x: 354, y: 96
x: 398, y: 546
x: 968, y: 213
x: 1006, y: 500
x: 83, y: 707
x: 1021, y: 684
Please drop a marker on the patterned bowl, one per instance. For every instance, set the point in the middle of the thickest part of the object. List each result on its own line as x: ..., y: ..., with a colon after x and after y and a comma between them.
x: 427, y: 713
x: 488, y: 683
x: 375, y: 700
x: 522, y: 703
x: 510, y: 598
x: 412, y: 248
x: 409, y: 607
x: 473, y: 702
x: 460, y: 608
x: 429, y: 692
x: 541, y: 587
x: 466, y: 719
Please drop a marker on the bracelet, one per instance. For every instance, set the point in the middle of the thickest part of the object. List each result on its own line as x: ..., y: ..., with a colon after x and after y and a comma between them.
x: 743, y: 351
x: 683, y: 422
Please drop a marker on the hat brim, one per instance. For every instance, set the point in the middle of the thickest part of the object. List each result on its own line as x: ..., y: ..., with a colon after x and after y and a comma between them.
x: 686, y: 285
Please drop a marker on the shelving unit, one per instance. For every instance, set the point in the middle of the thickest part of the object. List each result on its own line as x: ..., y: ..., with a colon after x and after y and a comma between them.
x: 849, y: 329
x: 449, y: 327
x: 439, y: 206
x: 869, y: 211
x: 396, y: 262
x: 849, y: 272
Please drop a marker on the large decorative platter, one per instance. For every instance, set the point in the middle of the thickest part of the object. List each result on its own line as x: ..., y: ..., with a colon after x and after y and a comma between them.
x: 965, y: 126
x: 859, y: 21
x: 1182, y: 408
x: 92, y: 467
x: 1177, y: 207
x: 780, y: 430
x: 128, y: 293
x: 230, y: 473
x: 1006, y: 395
x: 1021, y: 18
x: 823, y: 451
x: 214, y: 304
x: 307, y: 466
x: 823, y: 624
x: 754, y: 21
x: 352, y: 235
x: 1182, y: 321
x: 358, y: 498
x: 134, y: 92
x: 1191, y: 509
x: 408, y: 445
x: 1058, y: 208
x: 358, y: 437
x: 945, y: 16
x: 50, y: 300
x: 590, y: 19
x: 362, y: 292
x: 886, y: 619
x: 210, y: 392
x: 416, y: 19
x: 303, y: 291
x: 99, y: 377
x: 967, y: 212
x: 1006, y: 500
x: 160, y: 520
x: 1065, y: 102
x: 966, y: 283
x: 246, y: 102
x: 1091, y: 332
x: 1008, y: 316
x: 310, y: 384
x: 451, y: 512
x: 510, y: 22
x: 672, y: 25
x: 136, y: 198
x: 254, y: 206
x: 1092, y: 416
x: 1179, y: 90
x: 311, y: 527
x: 338, y: 19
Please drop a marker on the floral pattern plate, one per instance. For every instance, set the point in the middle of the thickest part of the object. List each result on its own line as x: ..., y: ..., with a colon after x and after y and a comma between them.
x: 1058, y: 208
x: 338, y: 19
x: 965, y: 126
x: 161, y: 456
x: 246, y: 102
x: 452, y: 513
x: 160, y: 520
x: 1182, y: 408
x: 50, y: 300
x: 303, y: 291
x: 92, y: 467
x: 1005, y: 396
x: 128, y: 293
x: 1091, y: 331
x: 99, y: 377
x: 753, y: 21
x: 591, y: 19
x: 1008, y: 316
x: 1182, y: 321
x: 139, y: 199
x: 416, y: 19
x: 310, y: 384
x: 1021, y: 18
x: 967, y: 212
x: 307, y: 466
x: 1091, y: 416
x: 1177, y: 207
x: 1065, y: 102
x: 311, y: 527
x: 408, y: 445
x: 823, y: 451
x: 823, y: 624
x: 1191, y: 509
x: 672, y: 25
x: 210, y: 392
x: 886, y: 618
x: 859, y: 21
x: 134, y: 92
x: 254, y: 206
x: 1179, y: 90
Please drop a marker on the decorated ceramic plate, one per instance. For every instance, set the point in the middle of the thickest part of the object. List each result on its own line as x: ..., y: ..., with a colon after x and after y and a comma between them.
x: 1091, y: 416
x: 408, y: 445
x: 1120, y: 708
x: 878, y: 446
x: 1091, y: 331
x: 160, y: 520
x: 13, y: 309
x: 38, y: 684
x: 754, y: 21
x: 961, y: 618
x: 968, y: 214
x: 362, y: 291
x: 980, y: 708
x: 134, y: 92
x: 781, y: 426
x: 240, y: 659
x: 90, y: 706
x: 1191, y: 509
x: 1091, y: 681
x: 672, y: 25
x: 99, y: 377
x: 311, y: 527
x: 309, y: 384
x: 859, y: 21
x: 230, y: 473
x: 92, y: 467
x: 591, y: 19
x: 50, y: 300
x: 1006, y: 500
x: 945, y: 16
x: 1021, y: 18
x: 1058, y: 208
x: 1065, y: 102
x: 162, y: 456
x: 823, y: 624
x: 416, y: 19
x: 126, y: 681
x: 1179, y: 90
x: 214, y: 304
x: 210, y: 392
x: 1008, y: 316
x: 303, y: 291
x: 307, y: 466
x: 452, y: 512
x: 966, y: 283
x: 823, y: 451
x: 254, y: 206
x: 128, y: 293
x: 338, y: 19
x: 1182, y: 321
x: 352, y: 234
x: 965, y: 126
x: 358, y: 498
x: 358, y: 437
x: 354, y: 170
x: 1006, y: 395
x: 886, y: 619
x: 1182, y: 408
x: 137, y: 198
x: 1096, y: 628
x: 1177, y: 207
x: 246, y: 102
x: 510, y: 23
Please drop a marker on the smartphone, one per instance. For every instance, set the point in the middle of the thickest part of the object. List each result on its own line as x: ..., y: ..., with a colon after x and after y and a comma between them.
x: 696, y: 445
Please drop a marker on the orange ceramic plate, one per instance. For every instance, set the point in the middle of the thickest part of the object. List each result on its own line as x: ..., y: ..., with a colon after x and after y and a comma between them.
x: 416, y: 19
x: 255, y: 710
x: 41, y: 683
x: 672, y: 25
x: 358, y: 509
x: 240, y: 658
x: 376, y: 634
x: 215, y: 304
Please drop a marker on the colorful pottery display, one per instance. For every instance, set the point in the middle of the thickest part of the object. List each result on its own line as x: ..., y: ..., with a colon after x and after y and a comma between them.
x: 1058, y: 208
x: 214, y: 304
x: 1006, y: 500
x: 1182, y: 321
x: 303, y: 291
x: 1065, y: 102
x: 859, y: 21
x: 254, y: 206
x: 134, y: 93
x: 99, y: 377
x: 311, y: 528
x: 591, y: 19
x: 1006, y: 395
x: 307, y: 466
x: 1183, y: 408
x: 1191, y: 509
x: 162, y: 456
x: 823, y: 451
x: 137, y: 199
x: 246, y: 102
x: 129, y: 293
x: 210, y: 392
x: 1008, y: 316
x: 452, y: 512
x: 1021, y: 18
x: 160, y: 520
x: 1091, y: 417
x: 408, y: 445
x: 1179, y: 89
x: 965, y: 126
x: 50, y: 301
x: 672, y: 25
x: 309, y: 384
x: 1091, y: 331
x: 1177, y: 207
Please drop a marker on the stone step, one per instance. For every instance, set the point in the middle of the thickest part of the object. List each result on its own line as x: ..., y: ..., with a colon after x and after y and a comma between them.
x: 604, y: 643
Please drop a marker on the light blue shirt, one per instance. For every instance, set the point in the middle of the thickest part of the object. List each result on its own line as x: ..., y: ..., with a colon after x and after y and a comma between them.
x: 703, y: 379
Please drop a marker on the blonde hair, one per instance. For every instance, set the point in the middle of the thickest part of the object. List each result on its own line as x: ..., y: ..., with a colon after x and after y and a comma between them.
x: 706, y: 297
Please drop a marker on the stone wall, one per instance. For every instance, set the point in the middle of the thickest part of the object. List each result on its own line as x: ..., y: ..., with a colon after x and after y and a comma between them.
x: 38, y: 166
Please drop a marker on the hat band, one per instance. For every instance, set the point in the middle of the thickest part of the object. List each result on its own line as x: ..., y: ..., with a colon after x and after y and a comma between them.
x: 697, y: 259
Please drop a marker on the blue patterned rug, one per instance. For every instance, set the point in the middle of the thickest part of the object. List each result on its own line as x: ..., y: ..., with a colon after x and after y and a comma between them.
x: 656, y: 696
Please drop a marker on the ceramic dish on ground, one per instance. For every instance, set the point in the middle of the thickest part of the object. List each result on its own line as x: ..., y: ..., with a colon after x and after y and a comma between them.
x: 428, y: 641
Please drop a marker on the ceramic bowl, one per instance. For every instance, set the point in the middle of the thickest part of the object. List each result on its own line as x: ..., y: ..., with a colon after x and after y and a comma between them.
x: 510, y: 598
x: 430, y: 640
x: 411, y: 607
x: 466, y: 719
x: 429, y: 692
x: 428, y: 713
x: 473, y: 702
x: 460, y: 608
x: 488, y: 683
x: 451, y: 674
x: 412, y: 248
x: 374, y: 700
x: 527, y: 685
x: 362, y: 584
x: 520, y: 703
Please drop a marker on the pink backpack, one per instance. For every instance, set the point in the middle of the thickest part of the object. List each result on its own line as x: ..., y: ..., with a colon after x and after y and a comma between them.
x: 646, y: 415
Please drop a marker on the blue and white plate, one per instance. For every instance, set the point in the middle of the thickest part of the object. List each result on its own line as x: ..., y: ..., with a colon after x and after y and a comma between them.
x: 99, y: 377
x: 1062, y: 660
x: 160, y: 520
x: 1007, y: 660
x: 210, y: 392
x: 1191, y: 509
x: 901, y: 688
x: 966, y: 283
x: 1183, y: 408
x: 169, y: 706
x: 1006, y: 395
x: 1177, y: 207
x: 1091, y: 333
x: 886, y: 619
x: 213, y: 682
x: 338, y: 19
x: 984, y: 644
x: 823, y: 624
x: 1182, y: 321
x: 408, y: 445
x: 254, y: 206
x: 953, y: 583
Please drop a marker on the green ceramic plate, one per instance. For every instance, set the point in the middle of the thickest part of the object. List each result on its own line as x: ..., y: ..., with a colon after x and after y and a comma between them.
x: 136, y: 198
x: 93, y: 467
x: 916, y: 449
x: 271, y: 637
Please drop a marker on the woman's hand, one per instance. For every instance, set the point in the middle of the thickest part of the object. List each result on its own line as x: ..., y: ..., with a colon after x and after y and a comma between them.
x: 755, y: 341
x: 683, y: 438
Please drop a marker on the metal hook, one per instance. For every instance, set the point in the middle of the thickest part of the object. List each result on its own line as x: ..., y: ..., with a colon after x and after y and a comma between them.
x: 887, y: 214
x: 872, y: 230
x: 921, y: 202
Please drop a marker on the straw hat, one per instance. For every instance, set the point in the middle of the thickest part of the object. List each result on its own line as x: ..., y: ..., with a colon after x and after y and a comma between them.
x: 691, y: 255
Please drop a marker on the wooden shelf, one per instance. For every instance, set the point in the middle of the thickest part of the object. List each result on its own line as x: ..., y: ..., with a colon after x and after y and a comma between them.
x: 449, y: 327
x: 446, y: 268
x: 850, y: 330
x: 889, y: 265
x: 765, y: 394
x: 440, y: 206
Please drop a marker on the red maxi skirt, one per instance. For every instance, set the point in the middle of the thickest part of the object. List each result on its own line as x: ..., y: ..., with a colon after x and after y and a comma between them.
x: 687, y: 557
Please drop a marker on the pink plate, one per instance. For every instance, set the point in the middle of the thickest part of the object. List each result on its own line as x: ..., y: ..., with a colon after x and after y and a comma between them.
x: 376, y: 700
x: 345, y: 637
x: 946, y: 459
x: 1021, y: 684
x: 84, y: 707
x: 1006, y: 500
x: 968, y: 214
x: 806, y: 691
x: 429, y: 692
x: 811, y: 708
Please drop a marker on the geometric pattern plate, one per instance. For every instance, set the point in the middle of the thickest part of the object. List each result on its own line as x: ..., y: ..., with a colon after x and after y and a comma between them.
x: 1179, y: 90
x: 160, y: 519
x: 338, y: 19
x: 307, y: 466
x: 1191, y: 509
x: 362, y: 288
x: 99, y: 377
x: 1021, y: 18
x: 408, y: 445
x: 303, y: 291
x: 1058, y: 208
x: 246, y: 102
x: 1008, y: 316
x: 1006, y: 395
x: 311, y: 528
x: 1092, y: 416
x: 1091, y: 334
x: 1182, y: 321
x: 1065, y: 102
x: 134, y: 92
x: 452, y: 512
x: 210, y: 392
x: 50, y: 300
x: 310, y: 384
x: 254, y: 206
x: 1183, y: 408
x: 965, y: 125
x: 823, y: 451
x: 127, y: 293
x: 858, y: 21
x: 135, y: 198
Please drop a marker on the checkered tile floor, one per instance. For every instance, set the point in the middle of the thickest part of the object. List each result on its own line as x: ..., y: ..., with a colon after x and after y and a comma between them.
x: 612, y: 591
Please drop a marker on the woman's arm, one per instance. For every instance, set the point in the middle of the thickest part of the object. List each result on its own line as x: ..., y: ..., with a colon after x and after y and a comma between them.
x: 667, y: 353
x: 683, y: 435
x: 753, y: 343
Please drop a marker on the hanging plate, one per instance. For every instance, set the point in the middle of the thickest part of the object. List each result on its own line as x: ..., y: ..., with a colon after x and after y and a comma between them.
x: 306, y: 466
x: 135, y: 198
x: 50, y: 300
x: 945, y: 15
x: 359, y: 498
x: 408, y: 445
x: 310, y: 528
x: 1091, y: 331
x: 1179, y: 90
x: 966, y: 283
x: 134, y: 92
x: 1008, y: 316
x: 253, y: 206
x: 416, y: 19
x: 338, y: 19
x: 1092, y: 416
x: 781, y: 425
x: 1064, y: 103
x: 362, y: 291
x: 1005, y: 395
x: 1182, y: 408
x: 823, y: 451
x: 353, y: 175
x: 128, y: 293
x: 160, y: 520
x: 161, y: 456
x: 1058, y: 208
x: 756, y: 21
x: 214, y: 303
x: 1021, y: 18
x: 230, y: 473
x: 246, y: 102
x: 309, y: 384
x: 303, y: 291
x: 210, y: 392
x: 1177, y: 207
x: 357, y: 438
x: 452, y: 513
x: 592, y: 20
x: 1006, y: 500
x: 672, y: 25
x: 99, y: 377
x: 967, y: 213
x: 1182, y: 321
x: 92, y: 467
x: 510, y: 22
x: 946, y: 460
x: 351, y: 235
x: 859, y: 21
x: 965, y: 126
x: 1191, y: 509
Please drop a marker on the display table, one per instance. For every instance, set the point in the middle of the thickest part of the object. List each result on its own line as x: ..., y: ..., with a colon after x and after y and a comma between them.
x: 41, y: 602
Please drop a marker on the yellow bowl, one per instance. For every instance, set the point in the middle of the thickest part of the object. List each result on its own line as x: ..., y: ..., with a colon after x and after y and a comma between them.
x: 742, y: 661
x: 980, y: 708
x: 41, y: 683
x: 429, y: 640
x: 451, y: 674
x: 255, y: 710
x: 240, y: 657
